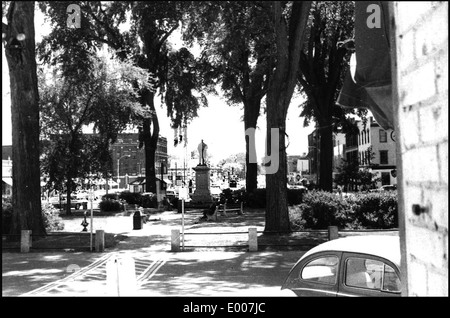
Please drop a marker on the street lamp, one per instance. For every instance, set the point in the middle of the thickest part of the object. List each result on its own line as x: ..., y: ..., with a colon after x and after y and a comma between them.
x: 118, y: 169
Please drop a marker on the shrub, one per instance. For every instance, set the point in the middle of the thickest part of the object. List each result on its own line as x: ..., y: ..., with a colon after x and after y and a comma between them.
x: 7, y: 211
x: 131, y: 197
x: 110, y: 196
x: 52, y: 220
x: 257, y: 198
x: 232, y: 196
x: 377, y: 209
x: 110, y: 206
x: 295, y: 196
x: 360, y: 210
x: 321, y: 209
x: 149, y: 201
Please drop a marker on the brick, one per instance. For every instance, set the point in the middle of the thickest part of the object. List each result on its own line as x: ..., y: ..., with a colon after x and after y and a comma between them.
x: 409, y: 12
x: 430, y: 35
x: 414, y: 168
x: 426, y: 246
x: 437, y: 200
x: 409, y: 124
x: 417, y: 278
x: 405, y: 55
x: 437, y: 284
x: 412, y: 195
x: 443, y: 161
x: 433, y: 123
x: 441, y: 69
x: 418, y: 85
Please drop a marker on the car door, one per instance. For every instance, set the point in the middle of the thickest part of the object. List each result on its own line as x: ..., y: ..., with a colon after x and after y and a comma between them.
x: 368, y: 275
x: 315, y: 276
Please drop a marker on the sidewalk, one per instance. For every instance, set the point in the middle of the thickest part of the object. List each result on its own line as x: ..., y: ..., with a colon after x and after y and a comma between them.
x: 210, y: 265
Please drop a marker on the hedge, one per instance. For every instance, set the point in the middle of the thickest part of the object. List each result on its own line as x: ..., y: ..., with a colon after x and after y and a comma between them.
x: 52, y: 220
x: 321, y: 209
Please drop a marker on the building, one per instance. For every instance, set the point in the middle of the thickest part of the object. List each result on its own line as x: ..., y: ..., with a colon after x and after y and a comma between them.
x: 313, y: 156
x: 129, y: 160
x: 373, y: 148
x: 6, y: 172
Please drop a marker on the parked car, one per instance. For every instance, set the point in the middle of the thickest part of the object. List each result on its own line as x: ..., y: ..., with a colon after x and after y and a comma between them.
x: 352, y: 266
x: 75, y: 202
x: 390, y: 187
x: 171, y: 194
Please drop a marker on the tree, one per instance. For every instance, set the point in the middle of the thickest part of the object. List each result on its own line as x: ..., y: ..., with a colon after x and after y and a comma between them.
x: 289, y: 23
x: 18, y: 34
x: 322, y: 67
x: 145, y: 43
x: 105, y: 98
x: 238, y: 54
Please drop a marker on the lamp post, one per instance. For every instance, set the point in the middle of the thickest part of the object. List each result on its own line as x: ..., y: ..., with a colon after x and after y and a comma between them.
x: 118, y: 169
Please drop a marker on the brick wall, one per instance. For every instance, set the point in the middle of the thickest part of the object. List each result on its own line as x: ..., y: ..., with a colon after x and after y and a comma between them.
x: 421, y: 36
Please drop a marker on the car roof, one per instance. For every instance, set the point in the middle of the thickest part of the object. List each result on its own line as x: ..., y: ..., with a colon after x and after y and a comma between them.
x: 385, y: 246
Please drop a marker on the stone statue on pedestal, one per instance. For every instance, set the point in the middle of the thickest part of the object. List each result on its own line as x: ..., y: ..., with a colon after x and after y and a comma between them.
x: 202, y: 148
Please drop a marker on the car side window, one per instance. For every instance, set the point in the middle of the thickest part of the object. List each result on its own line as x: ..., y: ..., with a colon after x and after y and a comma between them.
x: 322, y: 270
x: 391, y: 282
x: 357, y: 272
x: 371, y: 274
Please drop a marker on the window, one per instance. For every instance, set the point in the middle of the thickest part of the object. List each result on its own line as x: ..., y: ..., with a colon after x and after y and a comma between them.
x: 367, y: 133
x: 383, y: 135
x: 372, y: 274
x: 322, y: 270
x: 384, y: 157
x: 357, y: 274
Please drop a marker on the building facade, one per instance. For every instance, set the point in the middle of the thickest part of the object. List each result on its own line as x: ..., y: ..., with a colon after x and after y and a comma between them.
x: 371, y: 147
x: 129, y: 160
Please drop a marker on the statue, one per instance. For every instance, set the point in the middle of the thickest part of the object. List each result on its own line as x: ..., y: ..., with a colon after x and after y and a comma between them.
x: 202, y: 147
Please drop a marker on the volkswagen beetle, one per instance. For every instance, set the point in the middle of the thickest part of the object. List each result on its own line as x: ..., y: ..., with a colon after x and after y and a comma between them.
x: 366, y: 265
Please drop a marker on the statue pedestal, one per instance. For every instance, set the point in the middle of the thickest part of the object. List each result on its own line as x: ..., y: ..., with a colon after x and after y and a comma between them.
x: 202, y: 185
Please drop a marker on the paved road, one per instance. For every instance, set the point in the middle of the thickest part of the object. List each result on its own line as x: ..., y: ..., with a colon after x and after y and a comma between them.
x: 201, y: 271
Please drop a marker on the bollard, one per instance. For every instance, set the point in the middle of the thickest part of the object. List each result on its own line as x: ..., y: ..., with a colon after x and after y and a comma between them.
x: 252, y: 239
x: 25, y: 241
x: 121, y: 276
x: 175, y: 241
x: 242, y: 208
x: 99, y: 240
x: 333, y: 233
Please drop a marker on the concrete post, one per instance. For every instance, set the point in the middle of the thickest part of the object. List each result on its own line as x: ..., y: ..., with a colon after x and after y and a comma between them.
x: 252, y: 239
x: 242, y: 208
x: 333, y: 233
x: 25, y: 241
x: 175, y: 240
x: 99, y: 240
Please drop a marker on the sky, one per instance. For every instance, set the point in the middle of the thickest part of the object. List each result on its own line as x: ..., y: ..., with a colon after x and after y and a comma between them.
x: 219, y: 125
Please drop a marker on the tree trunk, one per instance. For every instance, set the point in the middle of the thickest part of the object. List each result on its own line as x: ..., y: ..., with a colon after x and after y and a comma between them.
x: 25, y: 119
x: 289, y: 40
x: 277, y: 212
x: 151, y: 143
x: 251, y: 114
x: 326, y: 155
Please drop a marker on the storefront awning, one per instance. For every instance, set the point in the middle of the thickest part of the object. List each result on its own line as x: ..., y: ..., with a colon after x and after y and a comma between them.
x: 368, y: 83
x: 7, y: 180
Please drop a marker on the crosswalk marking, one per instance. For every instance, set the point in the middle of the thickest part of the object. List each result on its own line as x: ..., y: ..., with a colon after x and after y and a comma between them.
x: 82, y: 281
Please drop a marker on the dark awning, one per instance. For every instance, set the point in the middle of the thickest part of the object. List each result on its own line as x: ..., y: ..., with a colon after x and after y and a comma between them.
x: 370, y: 87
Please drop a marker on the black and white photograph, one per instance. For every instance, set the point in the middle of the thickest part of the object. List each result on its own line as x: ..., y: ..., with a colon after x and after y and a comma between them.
x: 216, y: 156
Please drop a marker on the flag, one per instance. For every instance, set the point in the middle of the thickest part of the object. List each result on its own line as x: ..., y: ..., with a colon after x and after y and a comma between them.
x: 368, y: 84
